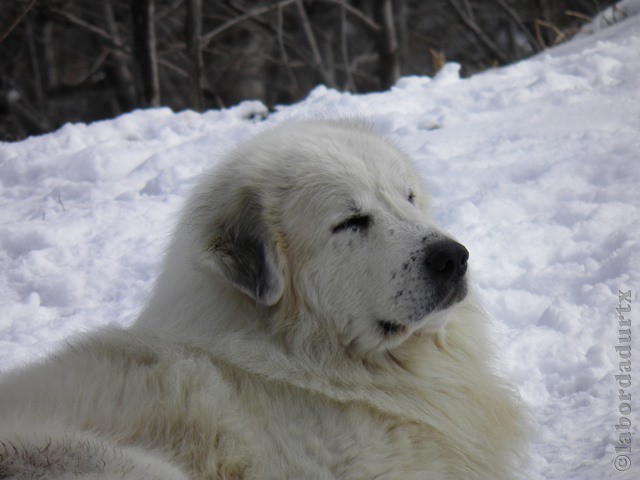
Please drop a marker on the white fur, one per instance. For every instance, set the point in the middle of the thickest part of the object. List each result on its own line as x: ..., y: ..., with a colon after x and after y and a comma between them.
x: 260, y: 354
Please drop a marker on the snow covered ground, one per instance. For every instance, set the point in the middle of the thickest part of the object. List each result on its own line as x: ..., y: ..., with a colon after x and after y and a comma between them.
x: 535, y: 167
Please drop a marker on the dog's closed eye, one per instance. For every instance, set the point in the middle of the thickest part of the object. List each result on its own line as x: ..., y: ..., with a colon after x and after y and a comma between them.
x: 356, y: 223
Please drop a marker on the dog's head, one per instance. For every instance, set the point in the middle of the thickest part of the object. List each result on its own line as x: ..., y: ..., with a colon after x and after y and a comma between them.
x: 335, y: 218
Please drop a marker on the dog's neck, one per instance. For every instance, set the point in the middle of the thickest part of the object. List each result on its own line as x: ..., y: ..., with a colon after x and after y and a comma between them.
x: 417, y: 382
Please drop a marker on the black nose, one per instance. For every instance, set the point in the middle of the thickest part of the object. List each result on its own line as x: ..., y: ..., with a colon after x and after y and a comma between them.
x: 447, y: 259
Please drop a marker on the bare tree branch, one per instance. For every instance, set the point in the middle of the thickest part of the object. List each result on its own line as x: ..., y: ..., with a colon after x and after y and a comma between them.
x: 343, y: 46
x: 359, y: 14
x: 291, y: 40
x: 482, y: 37
x: 560, y: 35
x: 91, y: 28
x: 120, y: 73
x: 311, y: 39
x: 35, y: 69
x: 17, y: 20
x: 283, y: 50
x: 79, y: 80
x: 181, y: 72
x: 521, y: 26
x: 206, y: 39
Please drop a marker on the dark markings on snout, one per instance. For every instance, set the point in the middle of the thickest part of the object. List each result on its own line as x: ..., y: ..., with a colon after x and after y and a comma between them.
x: 447, y: 260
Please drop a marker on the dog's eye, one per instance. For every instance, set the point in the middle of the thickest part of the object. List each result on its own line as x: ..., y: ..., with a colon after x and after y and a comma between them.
x: 356, y: 223
x: 411, y: 197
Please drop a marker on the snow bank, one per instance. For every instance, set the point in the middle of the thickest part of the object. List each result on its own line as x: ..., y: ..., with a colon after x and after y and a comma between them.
x: 534, y: 167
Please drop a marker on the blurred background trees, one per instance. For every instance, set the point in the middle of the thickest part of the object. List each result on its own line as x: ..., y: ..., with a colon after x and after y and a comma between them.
x: 83, y: 60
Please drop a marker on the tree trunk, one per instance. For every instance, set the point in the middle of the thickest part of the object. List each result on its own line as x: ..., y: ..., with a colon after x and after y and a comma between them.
x: 388, y: 61
x: 194, y: 48
x: 117, y: 69
x: 146, y: 61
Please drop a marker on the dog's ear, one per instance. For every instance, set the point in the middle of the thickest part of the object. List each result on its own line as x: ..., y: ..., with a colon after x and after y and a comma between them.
x: 243, y: 249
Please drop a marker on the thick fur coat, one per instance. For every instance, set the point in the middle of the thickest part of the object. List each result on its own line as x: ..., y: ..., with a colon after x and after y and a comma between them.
x: 310, y: 322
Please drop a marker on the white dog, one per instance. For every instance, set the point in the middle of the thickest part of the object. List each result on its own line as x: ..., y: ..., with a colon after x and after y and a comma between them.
x: 311, y: 322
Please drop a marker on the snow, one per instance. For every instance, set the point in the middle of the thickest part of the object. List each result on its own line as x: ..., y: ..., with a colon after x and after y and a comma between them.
x: 535, y: 167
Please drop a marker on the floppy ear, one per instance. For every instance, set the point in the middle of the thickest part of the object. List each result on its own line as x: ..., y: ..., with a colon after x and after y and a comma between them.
x: 243, y: 250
